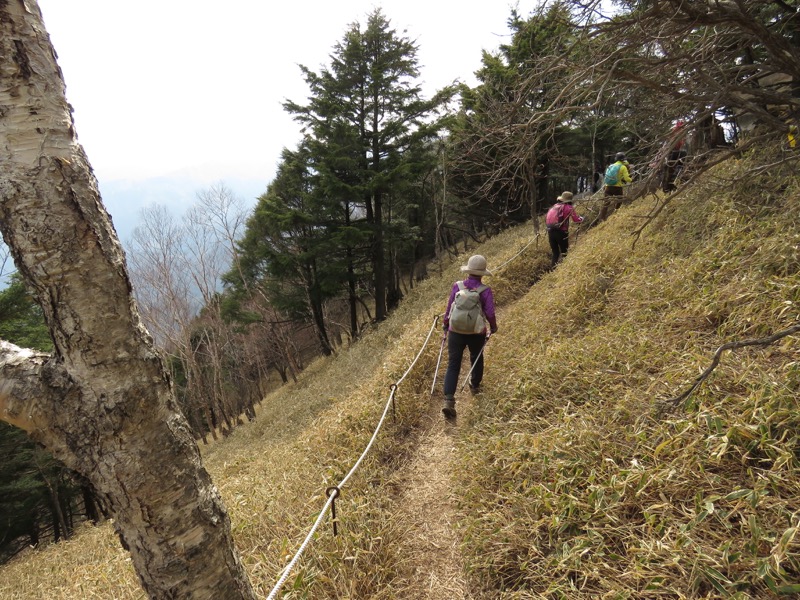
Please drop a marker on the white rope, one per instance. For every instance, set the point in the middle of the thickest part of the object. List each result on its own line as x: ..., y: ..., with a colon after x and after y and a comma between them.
x: 427, y: 339
x: 287, y: 571
x: 515, y: 256
x: 371, y: 441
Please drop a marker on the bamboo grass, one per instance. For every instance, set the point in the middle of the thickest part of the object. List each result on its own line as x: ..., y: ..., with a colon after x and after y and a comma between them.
x: 571, y: 481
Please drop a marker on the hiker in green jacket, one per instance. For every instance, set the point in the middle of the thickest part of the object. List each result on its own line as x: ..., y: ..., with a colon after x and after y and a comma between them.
x: 616, y: 178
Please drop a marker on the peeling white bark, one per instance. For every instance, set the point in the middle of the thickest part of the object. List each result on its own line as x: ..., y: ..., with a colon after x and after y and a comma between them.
x: 102, y: 403
x: 21, y: 386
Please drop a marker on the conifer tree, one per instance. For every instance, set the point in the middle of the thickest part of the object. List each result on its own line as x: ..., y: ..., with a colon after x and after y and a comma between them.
x: 286, y: 250
x: 37, y: 493
x: 364, y: 116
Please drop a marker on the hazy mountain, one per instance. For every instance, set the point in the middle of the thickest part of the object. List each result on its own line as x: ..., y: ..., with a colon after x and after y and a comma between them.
x: 124, y: 199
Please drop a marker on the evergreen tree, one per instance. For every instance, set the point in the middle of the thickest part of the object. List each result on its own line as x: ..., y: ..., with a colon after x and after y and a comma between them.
x: 505, y: 149
x: 37, y: 494
x: 21, y: 319
x: 364, y: 118
x: 287, y: 248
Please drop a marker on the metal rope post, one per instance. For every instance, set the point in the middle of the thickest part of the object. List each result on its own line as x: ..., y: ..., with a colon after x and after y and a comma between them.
x: 336, y: 491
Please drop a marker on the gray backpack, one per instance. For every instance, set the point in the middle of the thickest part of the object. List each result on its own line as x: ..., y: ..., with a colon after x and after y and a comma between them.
x: 466, y: 312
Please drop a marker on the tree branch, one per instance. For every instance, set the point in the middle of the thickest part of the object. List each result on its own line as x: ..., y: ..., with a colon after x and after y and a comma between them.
x: 765, y: 341
x: 720, y: 157
x: 23, y: 387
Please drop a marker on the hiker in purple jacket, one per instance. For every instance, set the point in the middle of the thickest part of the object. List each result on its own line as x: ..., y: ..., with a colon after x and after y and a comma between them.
x: 473, y: 336
x: 557, y: 221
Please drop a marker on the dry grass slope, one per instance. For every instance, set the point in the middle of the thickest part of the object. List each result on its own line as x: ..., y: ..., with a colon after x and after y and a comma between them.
x: 572, y: 480
x: 577, y: 483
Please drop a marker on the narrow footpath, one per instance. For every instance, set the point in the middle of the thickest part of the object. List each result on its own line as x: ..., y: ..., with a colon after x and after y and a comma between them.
x: 427, y: 504
x: 428, y: 508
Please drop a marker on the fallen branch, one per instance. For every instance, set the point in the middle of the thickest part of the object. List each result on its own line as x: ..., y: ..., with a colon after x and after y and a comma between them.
x: 766, y: 341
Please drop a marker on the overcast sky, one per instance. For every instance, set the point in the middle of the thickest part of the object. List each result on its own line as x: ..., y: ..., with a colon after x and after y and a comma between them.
x: 165, y: 85
x: 192, y: 89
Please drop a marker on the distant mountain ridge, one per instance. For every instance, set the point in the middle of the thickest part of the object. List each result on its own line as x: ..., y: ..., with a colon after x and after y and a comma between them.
x: 124, y: 199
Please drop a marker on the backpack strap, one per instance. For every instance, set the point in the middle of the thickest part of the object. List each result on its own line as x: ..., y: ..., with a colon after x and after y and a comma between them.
x: 463, y: 286
x: 561, y: 220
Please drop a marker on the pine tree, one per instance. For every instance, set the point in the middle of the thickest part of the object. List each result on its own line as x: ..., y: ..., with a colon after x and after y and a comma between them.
x: 364, y: 118
x: 37, y: 493
x: 287, y: 250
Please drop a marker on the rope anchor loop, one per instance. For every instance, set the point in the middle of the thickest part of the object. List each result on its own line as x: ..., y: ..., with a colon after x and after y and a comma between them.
x: 393, y: 389
x: 336, y: 493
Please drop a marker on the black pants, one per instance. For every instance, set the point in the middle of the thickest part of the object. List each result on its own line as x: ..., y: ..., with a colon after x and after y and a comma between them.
x: 559, y: 243
x: 456, y: 342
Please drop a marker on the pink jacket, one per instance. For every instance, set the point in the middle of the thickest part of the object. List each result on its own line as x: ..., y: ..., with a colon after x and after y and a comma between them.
x: 567, y: 213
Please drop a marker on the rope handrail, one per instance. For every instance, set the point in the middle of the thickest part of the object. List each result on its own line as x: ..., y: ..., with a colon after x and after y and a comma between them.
x: 500, y: 267
x: 421, y: 350
x: 337, y: 489
x: 287, y: 571
x: 372, y: 439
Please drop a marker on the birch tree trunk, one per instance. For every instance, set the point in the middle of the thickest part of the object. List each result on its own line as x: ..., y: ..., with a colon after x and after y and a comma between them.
x: 102, y: 402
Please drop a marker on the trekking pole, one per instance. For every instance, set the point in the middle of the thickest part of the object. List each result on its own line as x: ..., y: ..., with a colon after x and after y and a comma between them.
x: 477, y: 358
x: 438, y: 362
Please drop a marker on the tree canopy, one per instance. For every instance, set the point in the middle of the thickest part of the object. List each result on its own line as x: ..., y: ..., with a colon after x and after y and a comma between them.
x: 383, y: 179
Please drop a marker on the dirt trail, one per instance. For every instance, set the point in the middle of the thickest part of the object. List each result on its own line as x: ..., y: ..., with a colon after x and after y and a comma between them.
x: 427, y: 507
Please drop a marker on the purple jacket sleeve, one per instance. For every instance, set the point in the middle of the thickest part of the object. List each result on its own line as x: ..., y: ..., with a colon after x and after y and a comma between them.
x: 487, y: 301
x: 572, y: 214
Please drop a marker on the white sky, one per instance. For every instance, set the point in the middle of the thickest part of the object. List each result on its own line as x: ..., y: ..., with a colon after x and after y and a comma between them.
x: 194, y: 87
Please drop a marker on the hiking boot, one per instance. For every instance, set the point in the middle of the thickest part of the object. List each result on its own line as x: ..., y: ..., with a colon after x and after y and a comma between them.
x: 449, y: 408
x: 475, y: 388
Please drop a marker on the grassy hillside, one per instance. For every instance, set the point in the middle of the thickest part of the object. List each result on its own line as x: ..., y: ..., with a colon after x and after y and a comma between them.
x: 579, y: 478
x: 576, y: 476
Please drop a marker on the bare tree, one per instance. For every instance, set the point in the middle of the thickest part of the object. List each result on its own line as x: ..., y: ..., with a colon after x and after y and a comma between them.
x: 628, y: 76
x: 164, y: 287
x: 6, y: 263
x: 177, y: 271
x: 102, y: 402
x: 169, y: 300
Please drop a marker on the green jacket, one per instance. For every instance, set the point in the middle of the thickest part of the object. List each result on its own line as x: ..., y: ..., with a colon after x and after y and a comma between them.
x: 624, y: 177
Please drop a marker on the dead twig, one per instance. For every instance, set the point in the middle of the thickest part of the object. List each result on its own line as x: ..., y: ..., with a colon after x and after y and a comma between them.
x: 765, y: 341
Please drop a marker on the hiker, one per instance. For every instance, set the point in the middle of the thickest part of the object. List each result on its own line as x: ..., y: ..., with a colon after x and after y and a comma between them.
x: 673, y: 164
x: 469, y: 314
x: 557, y: 222
x: 616, y: 177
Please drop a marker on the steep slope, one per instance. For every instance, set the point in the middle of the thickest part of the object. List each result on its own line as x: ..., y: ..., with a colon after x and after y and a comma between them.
x: 571, y: 476
x: 582, y: 475
x: 273, y: 473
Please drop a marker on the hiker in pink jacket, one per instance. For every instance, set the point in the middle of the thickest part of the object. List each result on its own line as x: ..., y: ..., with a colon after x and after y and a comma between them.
x: 557, y: 221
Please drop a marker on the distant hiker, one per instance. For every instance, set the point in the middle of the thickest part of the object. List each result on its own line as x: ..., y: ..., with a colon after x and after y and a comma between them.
x: 616, y: 177
x: 468, y: 321
x: 557, y: 222
x: 673, y: 164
